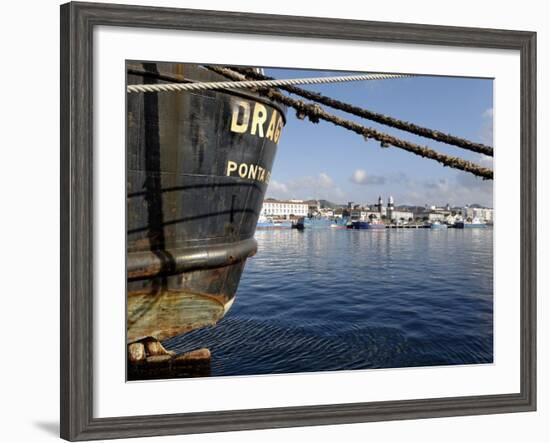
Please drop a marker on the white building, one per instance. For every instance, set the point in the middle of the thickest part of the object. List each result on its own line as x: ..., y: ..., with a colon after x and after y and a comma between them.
x: 398, y: 216
x: 392, y: 214
x: 485, y: 214
x: 284, y: 208
x: 439, y: 216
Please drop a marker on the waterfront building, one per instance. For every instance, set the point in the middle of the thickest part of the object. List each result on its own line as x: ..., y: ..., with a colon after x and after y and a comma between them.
x: 380, y: 211
x: 451, y: 215
x: 400, y: 215
x: 453, y: 218
x: 432, y: 213
x: 314, y: 208
x: 440, y: 216
x: 397, y: 215
x: 484, y: 214
x: 284, y: 208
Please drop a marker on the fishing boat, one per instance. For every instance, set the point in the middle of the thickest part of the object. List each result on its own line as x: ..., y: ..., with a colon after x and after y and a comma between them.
x: 270, y: 223
x: 374, y: 224
x: 198, y: 165
x: 298, y: 224
x: 317, y: 222
x: 438, y: 225
x: 475, y: 223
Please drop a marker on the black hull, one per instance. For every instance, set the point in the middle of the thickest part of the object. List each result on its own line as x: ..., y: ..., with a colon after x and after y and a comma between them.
x: 198, y: 165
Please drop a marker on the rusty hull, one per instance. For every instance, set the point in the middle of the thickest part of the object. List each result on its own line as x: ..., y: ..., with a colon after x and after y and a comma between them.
x: 190, y: 223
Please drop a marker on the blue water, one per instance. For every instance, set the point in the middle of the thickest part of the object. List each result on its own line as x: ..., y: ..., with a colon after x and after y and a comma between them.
x: 323, y: 300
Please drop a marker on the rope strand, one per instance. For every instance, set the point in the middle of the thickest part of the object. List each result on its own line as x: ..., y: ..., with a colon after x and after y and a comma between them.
x: 314, y: 112
x: 164, y: 87
x: 375, y: 116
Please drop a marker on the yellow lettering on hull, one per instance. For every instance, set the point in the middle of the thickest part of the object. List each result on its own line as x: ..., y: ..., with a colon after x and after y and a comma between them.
x: 248, y: 171
x: 256, y: 121
x: 240, y: 116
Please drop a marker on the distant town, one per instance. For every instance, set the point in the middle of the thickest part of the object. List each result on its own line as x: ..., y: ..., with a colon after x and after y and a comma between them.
x: 381, y: 211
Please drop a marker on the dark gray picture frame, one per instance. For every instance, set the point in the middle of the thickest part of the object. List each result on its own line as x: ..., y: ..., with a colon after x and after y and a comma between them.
x: 77, y: 23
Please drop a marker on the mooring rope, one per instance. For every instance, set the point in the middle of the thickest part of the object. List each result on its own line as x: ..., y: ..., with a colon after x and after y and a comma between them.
x: 164, y: 87
x: 314, y: 112
x: 375, y: 116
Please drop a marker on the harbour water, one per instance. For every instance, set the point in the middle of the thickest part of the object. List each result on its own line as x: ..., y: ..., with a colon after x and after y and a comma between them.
x: 325, y: 300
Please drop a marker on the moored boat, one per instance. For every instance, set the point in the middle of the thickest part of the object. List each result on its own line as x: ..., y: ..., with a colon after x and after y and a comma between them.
x: 198, y: 165
x: 317, y: 222
x: 270, y: 223
x: 475, y: 223
x: 375, y: 224
x: 298, y: 224
x: 438, y: 225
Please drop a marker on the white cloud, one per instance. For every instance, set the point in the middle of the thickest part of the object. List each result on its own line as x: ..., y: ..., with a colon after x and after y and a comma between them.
x: 463, y: 188
x: 360, y: 177
x: 458, y: 189
x: 309, y: 187
x: 324, y: 180
x: 277, y: 187
x: 486, y: 132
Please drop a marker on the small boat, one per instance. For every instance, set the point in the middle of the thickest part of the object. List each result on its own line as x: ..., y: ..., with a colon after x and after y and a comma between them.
x: 298, y: 224
x: 264, y: 222
x: 375, y: 224
x: 317, y: 223
x: 475, y: 223
x: 438, y: 225
x: 269, y: 223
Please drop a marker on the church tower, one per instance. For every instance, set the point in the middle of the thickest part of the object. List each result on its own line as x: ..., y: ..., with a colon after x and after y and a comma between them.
x: 390, y: 208
x: 380, y: 204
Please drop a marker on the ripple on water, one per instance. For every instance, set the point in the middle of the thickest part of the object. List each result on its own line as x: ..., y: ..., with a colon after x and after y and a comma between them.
x: 324, y: 300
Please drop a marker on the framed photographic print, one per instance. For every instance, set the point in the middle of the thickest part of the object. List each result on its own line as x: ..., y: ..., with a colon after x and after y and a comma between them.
x: 273, y: 221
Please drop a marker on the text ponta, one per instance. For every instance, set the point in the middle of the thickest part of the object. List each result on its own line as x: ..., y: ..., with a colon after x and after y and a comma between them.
x: 248, y: 171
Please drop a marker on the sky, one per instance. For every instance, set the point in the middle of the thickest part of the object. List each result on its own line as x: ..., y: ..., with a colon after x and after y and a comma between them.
x: 323, y: 161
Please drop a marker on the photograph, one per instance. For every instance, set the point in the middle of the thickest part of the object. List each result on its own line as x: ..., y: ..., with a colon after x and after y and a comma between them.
x: 293, y: 218
x: 284, y: 220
